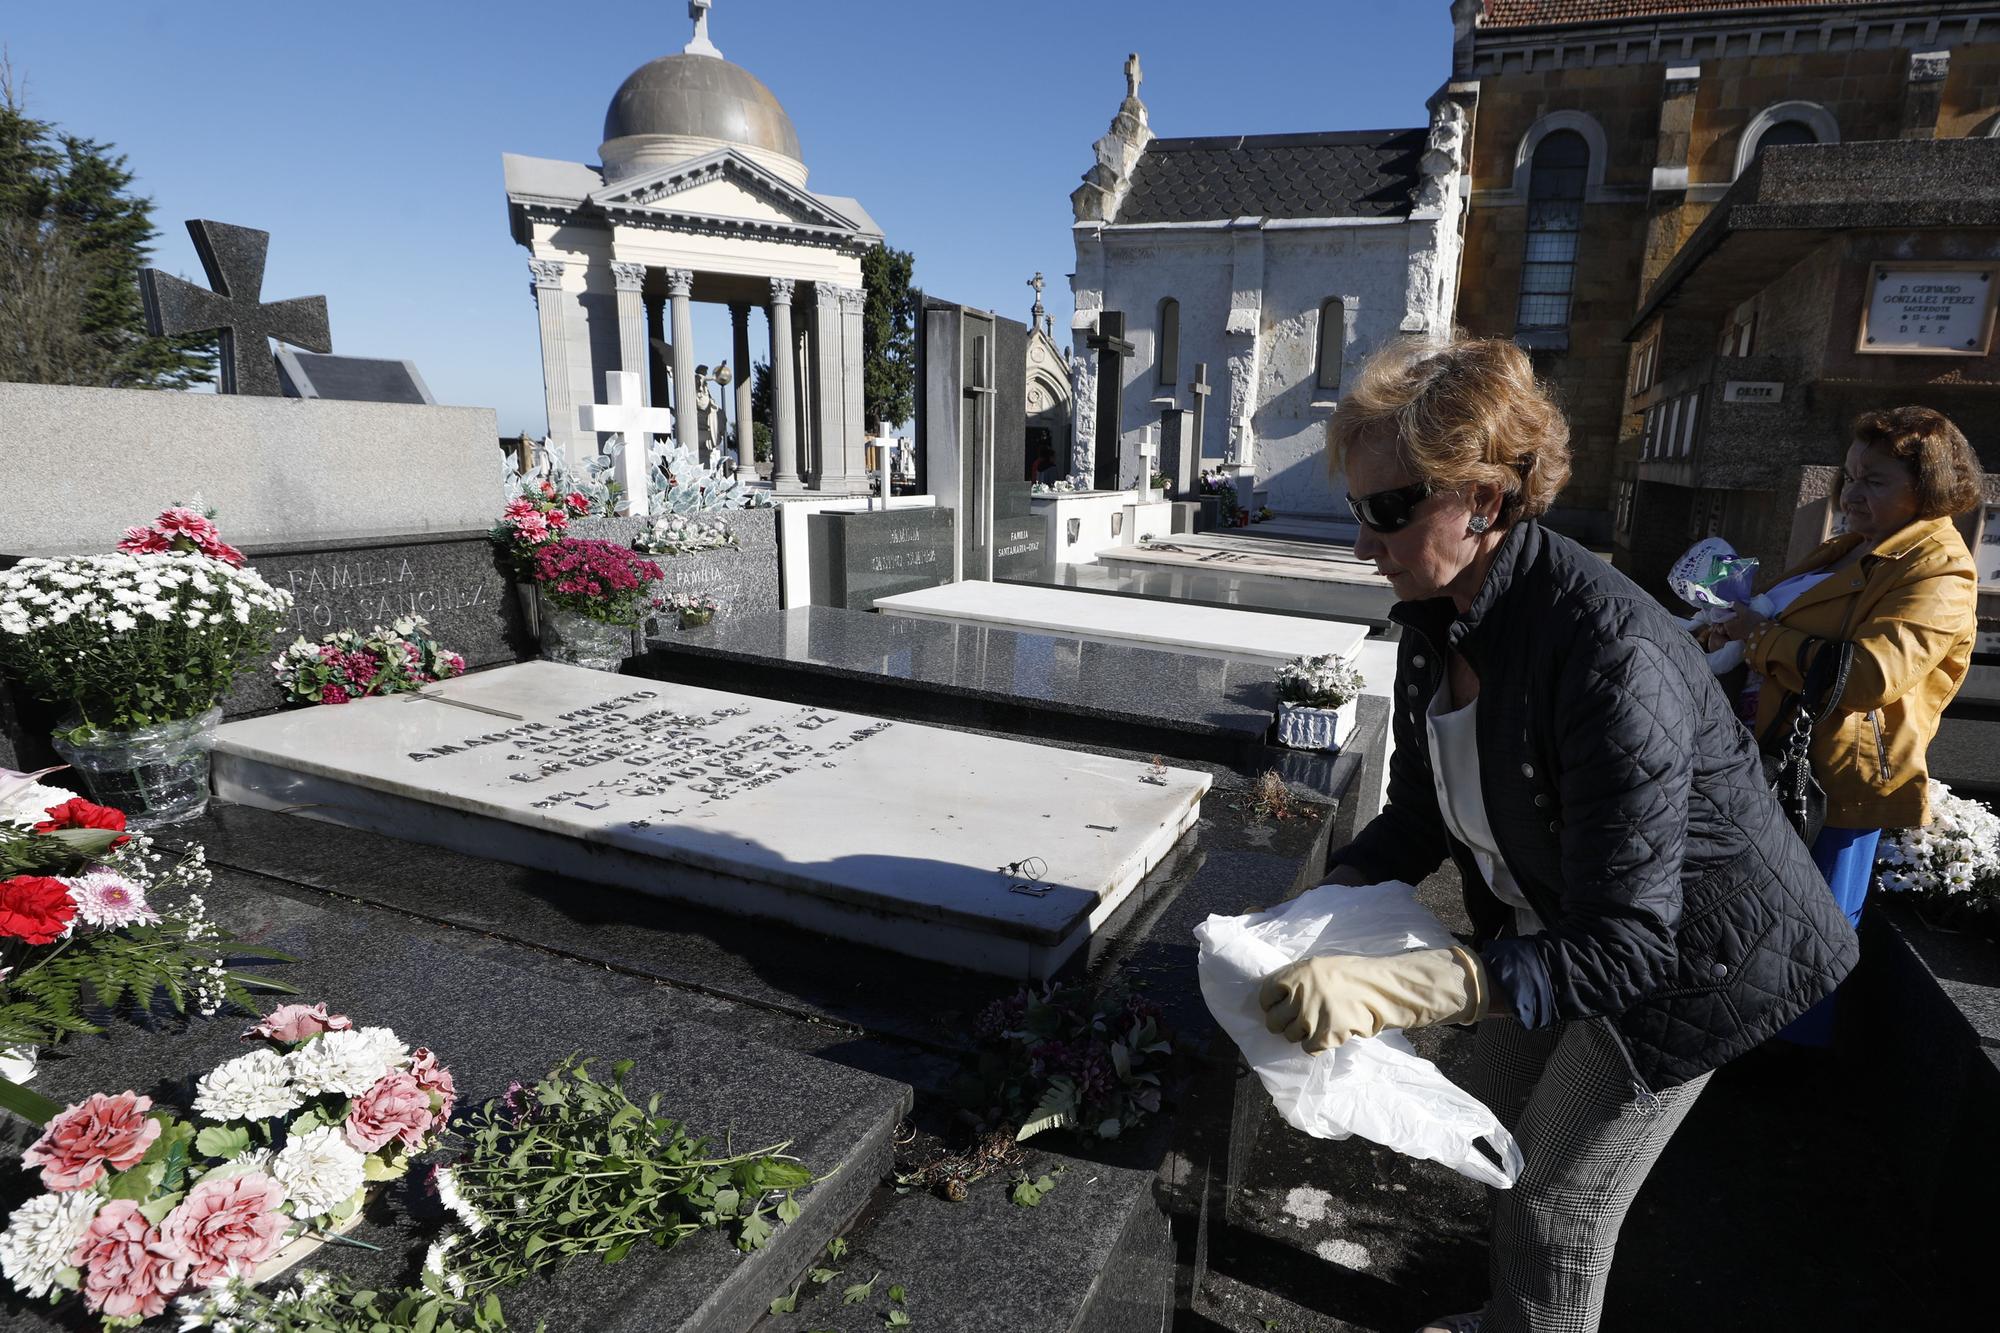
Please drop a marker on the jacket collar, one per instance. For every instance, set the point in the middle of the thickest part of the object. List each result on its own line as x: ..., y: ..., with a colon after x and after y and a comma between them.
x: 1905, y: 540
x: 1438, y: 618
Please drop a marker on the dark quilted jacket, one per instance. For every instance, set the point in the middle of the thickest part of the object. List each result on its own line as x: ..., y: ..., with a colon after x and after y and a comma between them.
x: 1628, y: 803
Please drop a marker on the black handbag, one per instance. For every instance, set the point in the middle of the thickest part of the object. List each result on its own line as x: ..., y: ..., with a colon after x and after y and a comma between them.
x: 1787, y: 746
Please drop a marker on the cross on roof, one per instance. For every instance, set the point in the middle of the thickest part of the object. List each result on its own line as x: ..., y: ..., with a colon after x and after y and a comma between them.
x: 233, y: 258
x: 629, y: 418
x: 1132, y: 75
x: 700, y: 45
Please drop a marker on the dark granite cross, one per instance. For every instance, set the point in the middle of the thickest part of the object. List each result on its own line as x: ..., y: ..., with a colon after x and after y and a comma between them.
x: 233, y: 258
x: 1112, y: 347
x: 1201, y: 389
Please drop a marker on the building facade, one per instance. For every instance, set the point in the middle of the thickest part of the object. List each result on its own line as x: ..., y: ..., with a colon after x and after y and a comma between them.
x: 1275, y: 263
x: 700, y: 196
x: 1604, y: 132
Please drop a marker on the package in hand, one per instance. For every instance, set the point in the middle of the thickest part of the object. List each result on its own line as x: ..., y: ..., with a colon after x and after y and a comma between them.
x: 1377, y: 1087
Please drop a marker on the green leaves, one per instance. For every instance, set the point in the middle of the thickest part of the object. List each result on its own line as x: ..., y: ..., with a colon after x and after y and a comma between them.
x: 787, y: 1304
x: 859, y: 1292
x: 1029, y: 1193
x: 1057, y: 1109
x: 222, y: 1141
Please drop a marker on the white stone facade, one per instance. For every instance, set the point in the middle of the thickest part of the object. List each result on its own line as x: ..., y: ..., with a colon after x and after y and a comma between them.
x: 1250, y: 292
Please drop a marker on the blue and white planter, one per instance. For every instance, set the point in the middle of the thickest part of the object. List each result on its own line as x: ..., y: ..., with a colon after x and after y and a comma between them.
x: 1304, y: 728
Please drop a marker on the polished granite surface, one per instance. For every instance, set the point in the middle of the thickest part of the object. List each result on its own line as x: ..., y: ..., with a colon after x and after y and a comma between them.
x: 1178, y: 691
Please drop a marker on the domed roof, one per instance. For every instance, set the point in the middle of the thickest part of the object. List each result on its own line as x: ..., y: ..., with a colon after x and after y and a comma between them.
x: 700, y: 97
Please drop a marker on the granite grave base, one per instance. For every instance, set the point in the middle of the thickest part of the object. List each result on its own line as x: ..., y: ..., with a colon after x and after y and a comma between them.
x: 860, y: 556
x: 742, y: 580
x: 495, y: 1012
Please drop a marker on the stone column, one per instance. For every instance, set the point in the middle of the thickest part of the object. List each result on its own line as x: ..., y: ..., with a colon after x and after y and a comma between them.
x: 829, y: 418
x: 853, y: 300
x: 547, y: 277
x: 659, y: 375
x: 784, y: 392
x: 746, y: 432
x: 630, y: 280
x: 687, y: 427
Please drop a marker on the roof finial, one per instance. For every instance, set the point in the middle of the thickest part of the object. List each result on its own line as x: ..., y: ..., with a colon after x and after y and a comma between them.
x: 1132, y: 75
x: 700, y: 45
x: 1037, y: 283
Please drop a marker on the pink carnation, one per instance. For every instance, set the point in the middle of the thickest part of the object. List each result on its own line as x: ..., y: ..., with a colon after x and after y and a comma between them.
x: 397, y: 1107
x: 531, y: 527
x: 433, y: 1077
x: 97, y: 1132
x: 127, y: 1269
x: 293, y: 1023
x: 144, y: 541
x: 520, y: 507
x: 333, y: 694
x: 225, y: 1228
x: 578, y: 501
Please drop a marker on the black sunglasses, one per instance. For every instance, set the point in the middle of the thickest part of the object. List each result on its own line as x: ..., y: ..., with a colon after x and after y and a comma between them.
x: 1389, y: 511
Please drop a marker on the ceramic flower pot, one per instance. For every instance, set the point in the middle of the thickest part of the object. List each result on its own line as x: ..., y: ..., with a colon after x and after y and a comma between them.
x: 691, y: 619
x: 1304, y: 728
x: 572, y: 637
x: 157, y: 775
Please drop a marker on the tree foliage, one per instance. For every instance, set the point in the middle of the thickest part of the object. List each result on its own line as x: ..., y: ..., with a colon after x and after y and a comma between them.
x: 73, y: 237
x: 888, y: 336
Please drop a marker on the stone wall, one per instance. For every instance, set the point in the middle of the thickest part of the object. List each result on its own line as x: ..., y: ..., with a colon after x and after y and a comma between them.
x: 1971, y: 100
x: 289, y: 470
x: 1862, y: 90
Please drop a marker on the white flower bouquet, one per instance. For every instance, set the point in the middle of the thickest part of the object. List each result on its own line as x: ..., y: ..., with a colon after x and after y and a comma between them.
x: 142, y: 1205
x: 132, y: 640
x: 1951, y: 866
x: 679, y: 534
x: 1317, y: 702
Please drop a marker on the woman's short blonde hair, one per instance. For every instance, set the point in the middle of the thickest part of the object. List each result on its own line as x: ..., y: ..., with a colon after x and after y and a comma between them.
x: 1459, y: 412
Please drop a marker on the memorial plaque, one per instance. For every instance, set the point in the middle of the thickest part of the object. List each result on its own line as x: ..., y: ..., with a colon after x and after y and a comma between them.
x: 1020, y: 535
x: 901, y: 836
x: 1937, y: 309
x: 1753, y: 391
x: 456, y: 583
x: 860, y: 556
x: 359, y: 379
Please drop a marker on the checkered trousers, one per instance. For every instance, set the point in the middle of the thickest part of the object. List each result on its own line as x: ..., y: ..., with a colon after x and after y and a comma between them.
x: 1587, y: 1142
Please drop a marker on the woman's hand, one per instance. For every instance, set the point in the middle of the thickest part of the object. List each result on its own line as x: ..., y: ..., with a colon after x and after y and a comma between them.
x: 1744, y: 623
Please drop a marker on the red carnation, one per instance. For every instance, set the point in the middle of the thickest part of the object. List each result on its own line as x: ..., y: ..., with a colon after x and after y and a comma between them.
x: 35, y: 909
x: 579, y: 502
x: 79, y: 813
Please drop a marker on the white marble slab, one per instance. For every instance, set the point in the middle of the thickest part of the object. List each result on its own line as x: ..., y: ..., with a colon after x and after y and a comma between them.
x: 883, y: 832
x: 1249, y: 636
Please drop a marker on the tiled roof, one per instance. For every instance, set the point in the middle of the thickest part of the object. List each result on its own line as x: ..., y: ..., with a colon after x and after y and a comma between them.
x: 1547, y: 13
x: 1351, y: 174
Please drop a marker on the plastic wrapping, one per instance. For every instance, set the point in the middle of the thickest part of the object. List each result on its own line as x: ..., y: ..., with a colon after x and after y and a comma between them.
x: 1714, y: 580
x: 1377, y: 1087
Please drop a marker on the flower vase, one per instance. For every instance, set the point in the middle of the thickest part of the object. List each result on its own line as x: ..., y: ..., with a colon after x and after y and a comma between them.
x: 531, y: 605
x: 1301, y: 727
x: 303, y: 1246
x: 693, y: 619
x: 572, y: 637
x: 157, y: 775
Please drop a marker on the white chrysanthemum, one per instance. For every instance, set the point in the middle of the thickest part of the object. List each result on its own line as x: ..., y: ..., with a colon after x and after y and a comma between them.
x: 460, y: 1206
x: 256, y: 1086
x: 319, y: 1170
x: 41, y: 1236
x: 29, y: 803
x: 347, y: 1062
x: 434, y: 1262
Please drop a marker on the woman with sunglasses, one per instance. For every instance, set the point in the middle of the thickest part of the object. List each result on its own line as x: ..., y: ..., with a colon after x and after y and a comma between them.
x: 1642, y: 911
x: 1900, y: 586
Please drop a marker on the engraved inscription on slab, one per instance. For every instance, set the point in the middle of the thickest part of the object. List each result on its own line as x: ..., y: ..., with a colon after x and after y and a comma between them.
x: 1933, y: 310
x: 1753, y: 391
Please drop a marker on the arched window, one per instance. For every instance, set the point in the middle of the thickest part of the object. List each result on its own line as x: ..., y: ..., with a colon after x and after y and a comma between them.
x: 1782, y: 133
x: 1332, y: 342
x: 1556, y: 183
x: 1169, y: 357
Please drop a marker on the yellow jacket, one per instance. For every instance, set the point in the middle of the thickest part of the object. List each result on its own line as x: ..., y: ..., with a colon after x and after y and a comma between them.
x: 1910, y: 608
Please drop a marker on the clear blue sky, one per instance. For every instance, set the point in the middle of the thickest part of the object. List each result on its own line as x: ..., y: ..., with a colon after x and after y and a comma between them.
x: 366, y: 135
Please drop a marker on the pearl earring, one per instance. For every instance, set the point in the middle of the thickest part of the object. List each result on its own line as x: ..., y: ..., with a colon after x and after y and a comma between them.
x: 1477, y: 525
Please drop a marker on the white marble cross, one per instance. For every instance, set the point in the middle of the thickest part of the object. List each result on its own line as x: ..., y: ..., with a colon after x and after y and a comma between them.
x: 1149, y: 449
x: 885, y: 461
x: 627, y: 417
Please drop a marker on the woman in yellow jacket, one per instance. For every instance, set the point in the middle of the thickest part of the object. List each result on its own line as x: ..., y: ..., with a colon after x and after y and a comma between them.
x: 1901, y: 587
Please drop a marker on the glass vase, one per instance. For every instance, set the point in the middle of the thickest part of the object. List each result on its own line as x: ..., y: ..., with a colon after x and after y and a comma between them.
x: 572, y: 637
x: 157, y: 775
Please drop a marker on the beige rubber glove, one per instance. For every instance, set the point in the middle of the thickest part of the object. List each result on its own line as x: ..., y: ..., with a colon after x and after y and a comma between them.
x: 1321, y: 1002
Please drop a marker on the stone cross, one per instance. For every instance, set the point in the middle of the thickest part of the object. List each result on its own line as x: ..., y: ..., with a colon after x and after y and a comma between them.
x: 233, y: 258
x: 627, y: 417
x: 1148, y: 450
x: 1035, y: 316
x: 1201, y: 389
x: 700, y: 45
x: 1112, y: 348
x: 885, y: 460
x: 1132, y: 75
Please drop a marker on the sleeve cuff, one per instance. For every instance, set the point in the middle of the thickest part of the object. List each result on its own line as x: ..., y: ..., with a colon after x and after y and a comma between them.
x: 1514, y: 969
x: 1773, y: 644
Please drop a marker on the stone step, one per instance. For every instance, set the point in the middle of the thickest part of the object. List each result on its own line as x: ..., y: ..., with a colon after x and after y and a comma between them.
x: 495, y: 1012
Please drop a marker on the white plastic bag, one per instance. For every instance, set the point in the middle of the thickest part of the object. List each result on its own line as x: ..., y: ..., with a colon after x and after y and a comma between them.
x: 1377, y: 1087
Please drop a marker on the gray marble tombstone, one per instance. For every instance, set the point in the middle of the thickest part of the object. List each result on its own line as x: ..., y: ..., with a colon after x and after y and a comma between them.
x: 972, y: 425
x: 860, y: 555
x: 742, y: 579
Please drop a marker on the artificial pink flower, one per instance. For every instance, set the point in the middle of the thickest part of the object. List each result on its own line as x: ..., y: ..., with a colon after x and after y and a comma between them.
x: 97, y: 1132
x: 556, y: 518
x: 531, y: 528
x: 225, y: 1228
x: 433, y: 1077
x: 548, y: 489
x: 578, y: 501
x: 144, y: 541
x: 127, y: 1270
x: 517, y: 507
x: 397, y: 1107
x: 293, y: 1023
x: 192, y: 522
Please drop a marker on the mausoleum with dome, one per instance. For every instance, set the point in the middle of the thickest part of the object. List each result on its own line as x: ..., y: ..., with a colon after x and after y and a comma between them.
x: 700, y: 194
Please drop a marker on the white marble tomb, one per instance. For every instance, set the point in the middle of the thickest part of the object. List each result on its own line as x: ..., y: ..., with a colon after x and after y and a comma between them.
x: 887, y: 833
